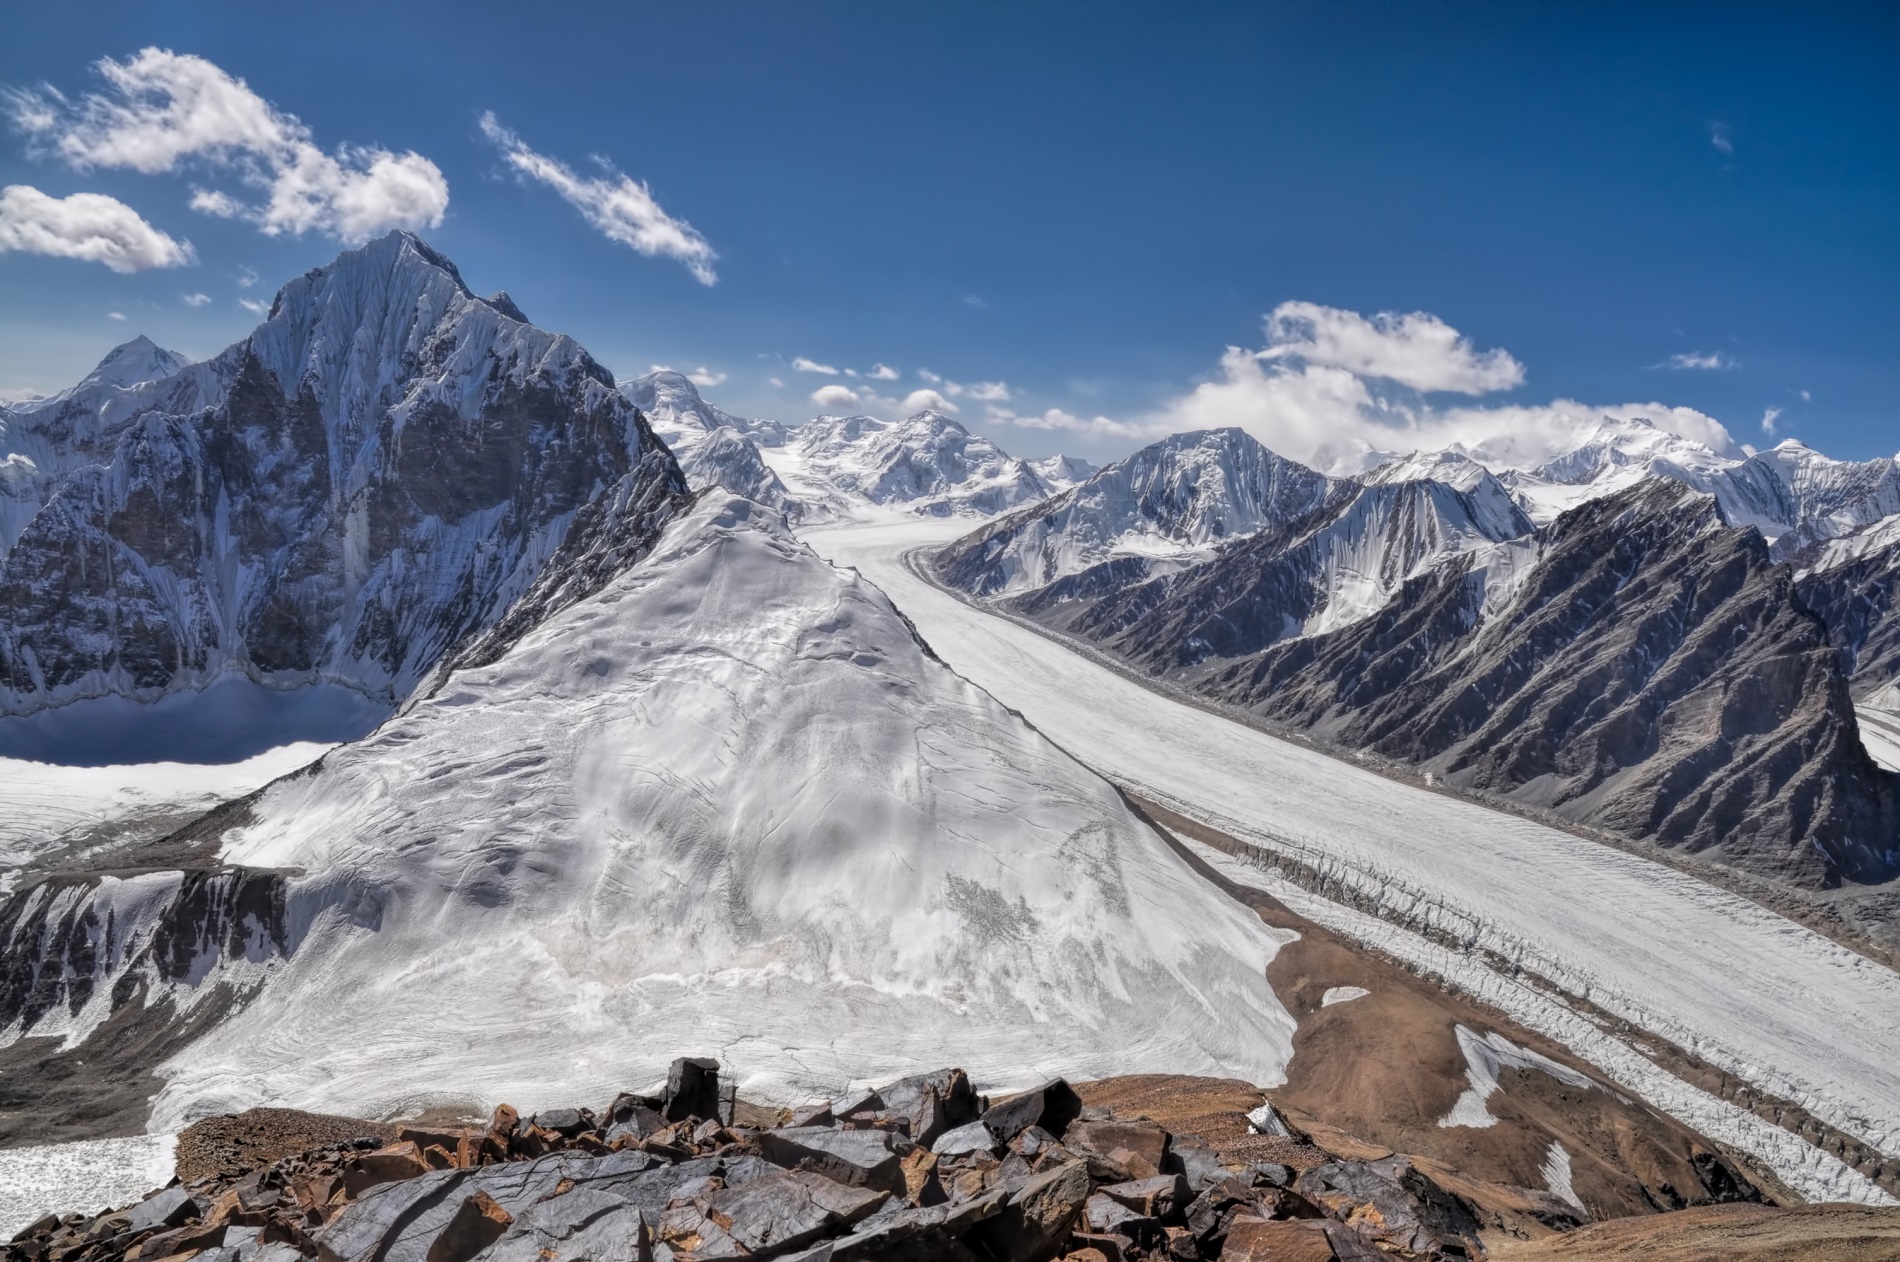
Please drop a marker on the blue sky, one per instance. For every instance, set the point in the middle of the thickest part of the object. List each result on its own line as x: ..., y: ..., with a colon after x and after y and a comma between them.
x: 1081, y: 205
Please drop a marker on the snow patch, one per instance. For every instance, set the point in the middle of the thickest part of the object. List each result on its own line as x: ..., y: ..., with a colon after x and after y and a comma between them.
x: 1485, y: 1057
x: 1342, y: 994
x: 80, y: 1178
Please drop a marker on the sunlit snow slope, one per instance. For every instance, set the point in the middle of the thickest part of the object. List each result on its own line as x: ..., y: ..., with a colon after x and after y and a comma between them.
x: 729, y: 804
x: 1747, y: 990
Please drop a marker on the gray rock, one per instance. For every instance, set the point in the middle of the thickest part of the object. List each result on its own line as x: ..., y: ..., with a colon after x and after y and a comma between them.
x: 930, y: 1104
x: 975, y: 1137
x: 862, y: 1158
x: 1035, y: 1218
x: 588, y: 1224
x: 1052, y: 1106
x: 167, y: 1209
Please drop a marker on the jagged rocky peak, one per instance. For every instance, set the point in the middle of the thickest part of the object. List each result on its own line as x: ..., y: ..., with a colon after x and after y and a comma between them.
x: 1158, y: 506
x: 387, y: 461
x: 1651, y: 673
x: 714, y: 447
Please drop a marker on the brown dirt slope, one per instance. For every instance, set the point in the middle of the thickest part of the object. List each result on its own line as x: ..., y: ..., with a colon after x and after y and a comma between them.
x: 1726, y: 1233
x: 1386, y: 1067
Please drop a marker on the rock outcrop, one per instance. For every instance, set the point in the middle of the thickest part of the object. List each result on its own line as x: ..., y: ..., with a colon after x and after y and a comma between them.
x: 922, y: 1169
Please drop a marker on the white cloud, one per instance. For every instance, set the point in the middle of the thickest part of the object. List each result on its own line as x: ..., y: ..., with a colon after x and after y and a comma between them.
x: 254, y: 306
x: 882, y: 372
x: 990, y: 392
x: 972, y: 300
x: 922, y: 400
x: 931, y: 377
x: 1057, y: 419
x: 1324, y: 414
x: 162, y: 109
x: 1415, y: 349
x: 705, y: 378
x: 1719, y: 137
x: 835, y: 396
x: 777, y: 384
x: 89, y: 226
x: 1768, y: 419
x: 1699, y: 359
x: 1805, y: 396
x: 115, y: 315
x: 246, y: 277
x: 801, y: 364
x: 620, y: 207
x: 194, y: 300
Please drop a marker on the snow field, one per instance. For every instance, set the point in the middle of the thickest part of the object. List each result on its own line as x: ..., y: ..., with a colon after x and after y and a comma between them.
x: 726, y: 806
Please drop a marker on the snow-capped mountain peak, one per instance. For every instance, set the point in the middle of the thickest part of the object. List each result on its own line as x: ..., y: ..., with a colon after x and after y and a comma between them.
x: 380, y: 469
x: 926, y: 463
x: 133, y: 362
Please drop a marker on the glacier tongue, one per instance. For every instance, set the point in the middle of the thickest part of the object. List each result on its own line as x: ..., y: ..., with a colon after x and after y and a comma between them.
x: 728, y: 803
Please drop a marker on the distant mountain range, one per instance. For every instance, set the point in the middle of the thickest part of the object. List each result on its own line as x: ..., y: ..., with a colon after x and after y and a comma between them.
x: 1675, y: 656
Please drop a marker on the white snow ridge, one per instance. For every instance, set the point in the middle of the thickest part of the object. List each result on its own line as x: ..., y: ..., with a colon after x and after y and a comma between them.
x: 728, y: 804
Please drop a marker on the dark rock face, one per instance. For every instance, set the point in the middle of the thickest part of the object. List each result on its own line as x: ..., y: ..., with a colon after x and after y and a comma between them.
x: 1651, y: 672
x: 377, y: 473
x: 105, y: 933
x: 1856, y: 601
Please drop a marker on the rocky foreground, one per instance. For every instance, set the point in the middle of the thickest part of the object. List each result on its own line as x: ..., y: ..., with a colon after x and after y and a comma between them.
x: 924, y: 1168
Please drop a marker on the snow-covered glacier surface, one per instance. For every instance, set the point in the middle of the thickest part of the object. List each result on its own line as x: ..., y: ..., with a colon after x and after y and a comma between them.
x: 729, y: 805
x: 83, y: 1177
x: 1743, y: 988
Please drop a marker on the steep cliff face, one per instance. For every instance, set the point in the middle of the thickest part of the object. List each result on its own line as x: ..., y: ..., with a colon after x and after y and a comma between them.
x: 714, y: 447
x: 1851, y: 583
x: 1166, y: 503
x: 374, y: 474
x: 1645, y: 668
x: 1333, y: 566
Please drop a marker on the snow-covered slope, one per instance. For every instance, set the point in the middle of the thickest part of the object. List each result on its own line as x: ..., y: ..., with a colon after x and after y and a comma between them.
x: 714, y: 447
x: 1059, y: 472
x: 728, y: 803
x: 376, y: 472
x: 839, y: 466
x: 43, y: 440
x: 1169, y: 502
x: 1794, y: 495
x: 1300, y: 576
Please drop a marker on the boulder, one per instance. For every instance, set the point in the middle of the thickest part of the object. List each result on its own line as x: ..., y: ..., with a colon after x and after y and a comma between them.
x: 975, y: 1137
x: 1392, y: 1202
x: 1037, y: 1217
x: 1051, y: 1106
x: 1160, y: 1197
x: 927, y: 1105
x: 1269, y: 1240
x: 1145, y: 1141
x: 477, y: 1223
x: 692, y: 1089
x: 861, y: 1158
x: 584, y: 1225
x: 164, y: 1209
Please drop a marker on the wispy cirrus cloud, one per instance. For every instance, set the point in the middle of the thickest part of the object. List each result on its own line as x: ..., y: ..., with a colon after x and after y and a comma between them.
x: 161, y: 111
x: 1700, y: 360
x: 622, y: 208
x: 89, y: 226
x: 801, y: 364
